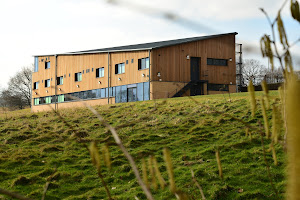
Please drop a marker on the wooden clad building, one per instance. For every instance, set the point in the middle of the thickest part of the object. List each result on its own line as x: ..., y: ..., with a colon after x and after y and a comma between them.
x: 190, y: 66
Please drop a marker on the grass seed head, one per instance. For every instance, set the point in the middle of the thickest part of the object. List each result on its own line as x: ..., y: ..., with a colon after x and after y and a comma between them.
x: 106, y: 156
x: 266, y: 121
x: 168, y: 161
x: 95, y: 155
x: 252, y: 98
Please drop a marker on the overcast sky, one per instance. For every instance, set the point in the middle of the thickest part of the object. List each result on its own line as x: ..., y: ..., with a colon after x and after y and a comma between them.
x: 35, y: 27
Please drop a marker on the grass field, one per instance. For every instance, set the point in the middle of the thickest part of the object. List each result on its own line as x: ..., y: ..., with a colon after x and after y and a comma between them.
x: 32, y: 145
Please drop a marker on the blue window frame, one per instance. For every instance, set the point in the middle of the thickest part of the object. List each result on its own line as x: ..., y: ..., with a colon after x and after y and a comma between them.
x: 100, y: 72
x: 120, y: 68
x: 47, y: 83
x: 36, y: 64
x: 36, y: 85
x: 47, y: 65
x: 143, y: 63
x: 78, y: 76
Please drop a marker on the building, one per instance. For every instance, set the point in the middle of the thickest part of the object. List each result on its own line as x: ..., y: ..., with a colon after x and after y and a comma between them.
x: 190, y: 66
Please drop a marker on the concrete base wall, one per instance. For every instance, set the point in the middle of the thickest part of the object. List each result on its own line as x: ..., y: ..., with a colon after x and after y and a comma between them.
x: 49, y: 107
x: 232, y: 89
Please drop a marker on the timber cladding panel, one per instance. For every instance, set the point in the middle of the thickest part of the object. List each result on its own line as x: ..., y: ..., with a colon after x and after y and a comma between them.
x: 68, y: 65
x: 173, y: 65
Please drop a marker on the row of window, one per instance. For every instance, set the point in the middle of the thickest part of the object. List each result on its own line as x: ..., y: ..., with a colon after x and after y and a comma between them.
x: 124, y: 93
x: 143, y: 63
x: 217, y: 87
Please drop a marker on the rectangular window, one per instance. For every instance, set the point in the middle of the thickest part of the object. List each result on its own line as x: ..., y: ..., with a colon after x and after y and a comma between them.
x: 36, y: 64
x: 36, y: 101
x: 217, y: 87
x: 78, y: 76
x: 36, y: 85
x: 132, y: 60
x: 143, y: 63
x: 47, y: 65
x: 100, y: 72
x: 60, y: 80
x: 48, y: 99
x: 61, y: 98
x: 120, y: 68
x: 47, y: 83
x: 218, y: 62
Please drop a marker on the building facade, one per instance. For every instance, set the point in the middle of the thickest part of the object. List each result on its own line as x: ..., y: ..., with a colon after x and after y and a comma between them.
x: 190, y: 66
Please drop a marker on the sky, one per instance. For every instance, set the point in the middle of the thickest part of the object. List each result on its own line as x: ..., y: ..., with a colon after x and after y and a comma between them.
x: 37, y: 27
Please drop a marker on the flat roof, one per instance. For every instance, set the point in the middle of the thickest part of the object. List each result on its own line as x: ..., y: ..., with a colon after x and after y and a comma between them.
x: 144, y: 46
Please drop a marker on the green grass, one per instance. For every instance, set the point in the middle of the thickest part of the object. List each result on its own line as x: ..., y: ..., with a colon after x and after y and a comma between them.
x: 32, y: 145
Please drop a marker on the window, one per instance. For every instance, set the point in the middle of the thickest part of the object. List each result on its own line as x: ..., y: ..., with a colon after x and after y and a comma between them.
x: 36, y: 85
x: 36, y: 64
x: 78, y: 76
x: 47, y: 65
x: 219, y: 62
x: 48, y: 99
x: 60, y: 80
x: 100, y: 72
x: 36, y: 101
x: 126, y: 62
x: 132, y: 60
x: 120, y: 68
x: 143, y: 63
x: 87, y: 71
x: 47, y: 83
x: 60, y: 98
x: 217, y: 87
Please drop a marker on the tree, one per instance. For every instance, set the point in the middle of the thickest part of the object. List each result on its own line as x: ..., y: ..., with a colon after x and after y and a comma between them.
x: 20, y: 85
x: 18, y: 93
x: 252, y: 70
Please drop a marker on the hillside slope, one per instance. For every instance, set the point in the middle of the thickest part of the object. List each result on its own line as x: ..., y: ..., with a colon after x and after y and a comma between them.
x: 32, y: 145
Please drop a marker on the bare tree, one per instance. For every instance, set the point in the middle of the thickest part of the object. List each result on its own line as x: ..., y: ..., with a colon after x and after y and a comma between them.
x: 253, y: 70
x: 273, y: 76
x: 20, y: 85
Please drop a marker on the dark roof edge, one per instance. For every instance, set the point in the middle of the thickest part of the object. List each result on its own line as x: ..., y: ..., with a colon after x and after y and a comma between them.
x: 92, y: 52
x: 107, y: 50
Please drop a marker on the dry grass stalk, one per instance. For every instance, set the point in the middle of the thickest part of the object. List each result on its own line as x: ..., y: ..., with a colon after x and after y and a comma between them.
x: 266, y: 121
x: 145, y: 174
x: 274, y: 153
x: 13, y: 194
x: 161, y: 180
x: 275, y: 125
x: 293, y: 136
x: 47, y: 184
x: 198, y: 185
x: 152, y: 173
x: 169, y: 165
x: 219, y: 164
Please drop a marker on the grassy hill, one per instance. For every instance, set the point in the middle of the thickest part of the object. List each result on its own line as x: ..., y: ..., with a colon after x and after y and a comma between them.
x: 32, y: 145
